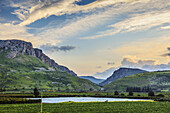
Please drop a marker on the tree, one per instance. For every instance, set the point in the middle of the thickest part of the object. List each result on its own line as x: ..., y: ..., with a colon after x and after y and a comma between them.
x: 116, y: 93
x: 130, y: 93
x: 36, y: 92
x: 151, y: 93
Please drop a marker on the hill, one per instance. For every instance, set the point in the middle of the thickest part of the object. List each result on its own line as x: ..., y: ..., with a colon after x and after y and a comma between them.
x: 22, y: 66
x: 154, y: 80
x: 121, y: 72
x: 92, y: 79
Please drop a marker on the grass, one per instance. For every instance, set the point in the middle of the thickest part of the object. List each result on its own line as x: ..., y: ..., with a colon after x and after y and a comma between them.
x: 24, y: 72
x: 153, y: 79
x: 89, y: 107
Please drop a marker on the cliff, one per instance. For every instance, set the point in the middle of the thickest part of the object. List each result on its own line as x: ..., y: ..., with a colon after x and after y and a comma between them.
x: 16, y: 47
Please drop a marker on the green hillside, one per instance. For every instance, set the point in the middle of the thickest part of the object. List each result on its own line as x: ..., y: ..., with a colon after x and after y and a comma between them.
x: 27, y: 72
x: 154, y: 80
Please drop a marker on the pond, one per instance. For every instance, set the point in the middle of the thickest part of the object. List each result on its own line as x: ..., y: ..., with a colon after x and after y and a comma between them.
x: 84, y: 99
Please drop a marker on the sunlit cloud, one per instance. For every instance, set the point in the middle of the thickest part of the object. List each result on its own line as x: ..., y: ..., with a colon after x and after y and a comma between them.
x: 34, y: 10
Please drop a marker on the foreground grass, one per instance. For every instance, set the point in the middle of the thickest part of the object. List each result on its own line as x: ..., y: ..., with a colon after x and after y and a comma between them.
x: 93, y: 107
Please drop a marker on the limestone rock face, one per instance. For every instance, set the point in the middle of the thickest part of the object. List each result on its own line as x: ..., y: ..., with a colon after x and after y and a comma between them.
x: 14, y: 47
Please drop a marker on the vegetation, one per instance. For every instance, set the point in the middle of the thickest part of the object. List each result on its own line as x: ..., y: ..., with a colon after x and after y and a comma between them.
x: 27, y: 72
x: 155, y: 80
x: 8, y: 100
x: 93, y: 107
x: 36, y: 92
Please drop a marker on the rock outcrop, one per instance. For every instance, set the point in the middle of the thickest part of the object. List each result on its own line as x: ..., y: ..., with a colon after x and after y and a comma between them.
x: 120, y: 73
x: 16, y: 47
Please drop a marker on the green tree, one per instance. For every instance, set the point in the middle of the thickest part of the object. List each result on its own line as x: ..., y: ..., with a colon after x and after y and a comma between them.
x: 36, y: 92
x: 116, y: 93
x: 130, y: 93
x: 151, y: 93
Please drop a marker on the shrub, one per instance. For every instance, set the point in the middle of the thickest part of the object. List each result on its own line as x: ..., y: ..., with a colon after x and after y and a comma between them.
x: 130, y: 93
x: 160, y: 95
x: 122, y: 94
x: 116, y: 93
x: 36, y: 92
x: 151, y: 93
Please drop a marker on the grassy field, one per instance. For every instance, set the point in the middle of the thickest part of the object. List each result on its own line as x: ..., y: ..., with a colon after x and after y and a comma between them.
x: 94, y: 107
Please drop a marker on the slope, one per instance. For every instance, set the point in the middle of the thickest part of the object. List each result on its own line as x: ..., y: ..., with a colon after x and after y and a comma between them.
x: 121, y: 72
x: 26, y: 71
x: 155, y: 80
x: 92, y: 79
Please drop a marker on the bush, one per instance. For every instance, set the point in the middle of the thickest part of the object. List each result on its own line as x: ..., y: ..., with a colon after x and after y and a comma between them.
x: 130, y: 93
x: 36, y: 92
x: 151, y: 93
x: 116, y: 93
x: 122, y: 94
x: 160, y: 95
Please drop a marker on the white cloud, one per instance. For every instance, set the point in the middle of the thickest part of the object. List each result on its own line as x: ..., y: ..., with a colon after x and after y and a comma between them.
x: 165, y: 27
x: 150, y: 65
x: 137, y: 22
x: 130, y: 61
x: 9, y: 31
x: 34, y: 11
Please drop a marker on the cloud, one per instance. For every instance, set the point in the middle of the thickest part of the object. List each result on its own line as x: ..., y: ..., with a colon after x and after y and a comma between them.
x: 99, y: 67
x: 167, y: 54
x: 165, y: 27
x: 110, y: 63
x: 131, y: 62
x: 34, y: 10
x: 10, y: 31
x: 136, y: 23
x: 157, y: 67
x: 54, y: 48
x: 150, y: 65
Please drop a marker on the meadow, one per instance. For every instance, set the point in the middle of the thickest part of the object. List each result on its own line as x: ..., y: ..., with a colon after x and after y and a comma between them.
x: 89, y: 107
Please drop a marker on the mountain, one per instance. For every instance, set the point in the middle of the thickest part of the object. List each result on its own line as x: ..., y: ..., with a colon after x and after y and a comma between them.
x: 105, y: 74
x: 17, y: 47
x: 155, y: 80
x: 121, y: 72
x: 93, y: 79
x: 22, y: 66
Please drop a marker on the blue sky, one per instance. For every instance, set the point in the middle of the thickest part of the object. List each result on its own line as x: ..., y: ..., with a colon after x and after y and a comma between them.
x: 87, y: 35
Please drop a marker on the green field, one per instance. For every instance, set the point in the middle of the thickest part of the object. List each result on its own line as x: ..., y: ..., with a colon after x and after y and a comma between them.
x: 94, y: 107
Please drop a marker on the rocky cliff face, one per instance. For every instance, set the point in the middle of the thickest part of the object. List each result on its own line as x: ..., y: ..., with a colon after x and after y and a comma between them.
x: 16, y: 47
x: 121, y: 72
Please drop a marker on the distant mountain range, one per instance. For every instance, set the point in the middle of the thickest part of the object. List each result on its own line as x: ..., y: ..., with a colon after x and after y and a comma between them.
x: 93, y: 79
x: 105, y: 74
x: 120, y: 73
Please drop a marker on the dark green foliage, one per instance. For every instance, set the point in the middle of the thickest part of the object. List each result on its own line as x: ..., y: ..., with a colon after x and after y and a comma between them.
x: 160, y: 95
x: 130, y: 93
x: 122, y: 94
x: 151, y: 93
x: 36, y: 92
x: 116, y: 93
x: 8, y: 100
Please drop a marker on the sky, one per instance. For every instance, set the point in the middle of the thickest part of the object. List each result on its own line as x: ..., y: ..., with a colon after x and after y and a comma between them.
x: 93, y: 37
